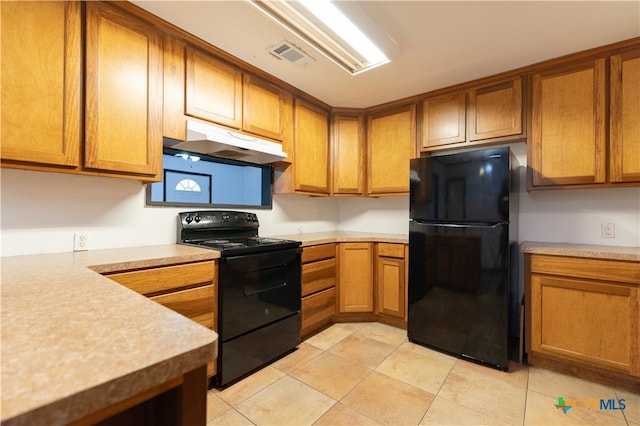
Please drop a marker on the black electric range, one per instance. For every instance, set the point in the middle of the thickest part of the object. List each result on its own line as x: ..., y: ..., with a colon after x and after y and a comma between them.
x: 259, y: 290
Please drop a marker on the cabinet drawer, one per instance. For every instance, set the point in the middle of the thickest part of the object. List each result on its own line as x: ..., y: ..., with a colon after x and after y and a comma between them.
x: 318, y: 307
x: 161, y: 280
x: 606, y: 270
x: 391, y: 250
x: 197, y: 304
x: 324, y: 251
x: 318, y: 276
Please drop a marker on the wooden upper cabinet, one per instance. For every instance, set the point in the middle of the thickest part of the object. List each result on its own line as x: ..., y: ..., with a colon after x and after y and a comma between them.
x: 391, y: 138
x: 348, y: 151
x: 495, y: 111
x: 568, y: 133
x: 174, y: 119
x: 41, y: 81
x: 444, y: 120
x: 214, y: 89
x: 123, y: 119
x: 311, y: 164
x: 263, y: 111
x: 625, y: 117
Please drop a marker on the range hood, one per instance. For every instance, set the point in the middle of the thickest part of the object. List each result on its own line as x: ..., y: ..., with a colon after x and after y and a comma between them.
x: 217, y: 141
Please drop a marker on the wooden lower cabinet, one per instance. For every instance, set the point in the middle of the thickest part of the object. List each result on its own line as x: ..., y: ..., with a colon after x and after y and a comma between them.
x: 583, y: 316
x: 179, y: 401
x: 355, y: 277
x: 191, y: 289
x: 318, y: 287
x: 352, y: 282
x: 391, y: 280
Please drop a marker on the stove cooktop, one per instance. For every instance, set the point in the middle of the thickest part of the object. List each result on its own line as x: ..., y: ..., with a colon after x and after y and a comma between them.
x: 247, y: 246
x: 230, y: 232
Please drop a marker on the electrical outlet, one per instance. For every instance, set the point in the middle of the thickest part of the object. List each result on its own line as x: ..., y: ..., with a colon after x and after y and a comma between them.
x: 608, y: 230
x: 80, y: 241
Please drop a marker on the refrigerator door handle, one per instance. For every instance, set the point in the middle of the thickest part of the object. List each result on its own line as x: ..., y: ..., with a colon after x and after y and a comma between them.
x: 460, y: 225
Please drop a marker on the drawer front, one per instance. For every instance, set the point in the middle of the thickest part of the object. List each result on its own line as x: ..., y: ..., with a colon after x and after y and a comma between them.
x: 391, y: 250
x: 318, y: 307
x: 598, y: 269
x: 315, y: 253
x: 198, y: 304
x: 318, y: 276
x: 161, y: 280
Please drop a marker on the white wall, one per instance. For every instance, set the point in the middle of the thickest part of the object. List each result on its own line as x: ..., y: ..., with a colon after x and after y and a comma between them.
x: 40, y: 212
x: 385, y: 214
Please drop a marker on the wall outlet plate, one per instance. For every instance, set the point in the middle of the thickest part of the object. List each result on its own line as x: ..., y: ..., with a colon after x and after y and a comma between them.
x: 80, y: 241
x: 608, y: 230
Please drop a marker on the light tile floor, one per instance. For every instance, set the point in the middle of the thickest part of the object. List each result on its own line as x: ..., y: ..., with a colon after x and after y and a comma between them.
x: 369, y: 374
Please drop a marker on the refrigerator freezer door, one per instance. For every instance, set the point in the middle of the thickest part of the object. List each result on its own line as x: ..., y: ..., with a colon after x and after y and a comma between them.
x: 467, y: 187
x: 458, y: 290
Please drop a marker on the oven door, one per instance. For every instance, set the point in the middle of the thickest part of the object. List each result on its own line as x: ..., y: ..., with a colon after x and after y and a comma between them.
x: 257, y: 290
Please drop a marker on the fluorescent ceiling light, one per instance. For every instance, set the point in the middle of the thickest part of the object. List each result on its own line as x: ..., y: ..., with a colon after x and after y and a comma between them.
x: 321, y: 24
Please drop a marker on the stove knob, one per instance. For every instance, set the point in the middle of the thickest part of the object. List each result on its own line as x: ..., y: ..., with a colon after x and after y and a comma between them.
x: 248, y: 217
x: 188, y: 219
x: 197, y: 218
x: 225, y: 217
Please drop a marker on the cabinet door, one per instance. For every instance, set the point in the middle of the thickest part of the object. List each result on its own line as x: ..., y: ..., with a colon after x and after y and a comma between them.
x: 123, y: 119
x: 348, y: 154
x: 391, y: 142
x: 390, y: 280
x: 174, y: 120
x: 41, y: 80
x: 443, y: 120
x: 567, y: 144
x: 214, y: 89
x: 355, y: 277
x: 263, y: 108
x: 589, y: 321
x: 311, y: 145
x: 495, y: 111
x: 625, y: 117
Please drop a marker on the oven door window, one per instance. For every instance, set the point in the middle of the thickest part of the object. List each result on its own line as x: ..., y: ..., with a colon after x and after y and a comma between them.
x: 257, y: 290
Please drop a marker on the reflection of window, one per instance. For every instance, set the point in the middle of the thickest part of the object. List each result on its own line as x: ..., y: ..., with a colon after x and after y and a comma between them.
x: 188, y: 185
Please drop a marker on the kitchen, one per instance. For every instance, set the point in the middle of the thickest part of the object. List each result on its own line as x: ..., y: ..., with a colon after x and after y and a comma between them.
x: 112, y: 212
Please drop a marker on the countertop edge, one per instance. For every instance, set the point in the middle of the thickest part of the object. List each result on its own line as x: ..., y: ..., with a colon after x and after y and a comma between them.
x: 198, y: 347
x: 593, y: 251
x: 85, y: 402
x: 317, y: 238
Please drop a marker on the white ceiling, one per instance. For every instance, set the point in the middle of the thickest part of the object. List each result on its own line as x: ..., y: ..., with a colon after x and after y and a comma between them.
x: 442, y: 42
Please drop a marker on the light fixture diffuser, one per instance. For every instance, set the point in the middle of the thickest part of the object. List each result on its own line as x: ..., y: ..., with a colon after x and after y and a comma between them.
x: 323, y: 25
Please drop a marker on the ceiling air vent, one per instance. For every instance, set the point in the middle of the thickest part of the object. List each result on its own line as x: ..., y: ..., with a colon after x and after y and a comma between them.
x: 286, y: 50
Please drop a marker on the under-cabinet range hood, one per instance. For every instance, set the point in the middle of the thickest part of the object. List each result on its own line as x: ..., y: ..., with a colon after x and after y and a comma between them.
x: 217, y: 141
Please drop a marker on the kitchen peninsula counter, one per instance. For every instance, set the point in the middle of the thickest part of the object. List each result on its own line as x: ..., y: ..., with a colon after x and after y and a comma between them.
x: 582, y: 250
x: 315, y: 238
x: 75, y: 342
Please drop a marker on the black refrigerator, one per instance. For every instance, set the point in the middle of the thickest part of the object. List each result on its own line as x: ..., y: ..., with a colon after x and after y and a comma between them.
x: 462, y: 245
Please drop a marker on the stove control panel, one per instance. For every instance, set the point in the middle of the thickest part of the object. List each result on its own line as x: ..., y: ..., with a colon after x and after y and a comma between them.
x: 212, y: 219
